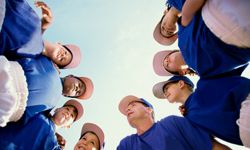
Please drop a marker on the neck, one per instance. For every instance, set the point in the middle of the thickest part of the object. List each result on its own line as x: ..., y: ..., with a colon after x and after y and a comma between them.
x: 48, y: 48
x: 56, y: 126
x: 143, y: 125
x: 183, y: 98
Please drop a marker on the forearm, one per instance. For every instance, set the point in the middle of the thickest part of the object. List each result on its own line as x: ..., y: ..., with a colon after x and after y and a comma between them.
x: 189, y: 9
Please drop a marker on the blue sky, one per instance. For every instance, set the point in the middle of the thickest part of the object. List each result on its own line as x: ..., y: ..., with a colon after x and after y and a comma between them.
x: 117, y: 45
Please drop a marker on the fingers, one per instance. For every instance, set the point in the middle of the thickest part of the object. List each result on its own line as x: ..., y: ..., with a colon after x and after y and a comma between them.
x: 182, y: 109
x: 45, y: 9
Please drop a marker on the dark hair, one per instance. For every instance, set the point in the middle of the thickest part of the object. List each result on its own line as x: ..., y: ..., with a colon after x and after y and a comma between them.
x: 168, y: 6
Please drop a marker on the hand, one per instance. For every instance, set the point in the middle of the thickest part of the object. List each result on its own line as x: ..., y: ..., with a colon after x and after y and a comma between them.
x: 46, y: 14
x: 183, y: 110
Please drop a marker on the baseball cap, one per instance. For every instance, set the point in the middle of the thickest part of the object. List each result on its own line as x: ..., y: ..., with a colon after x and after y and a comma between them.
x: 78, y: 107
x: 161, y: 39
x: 89, y: 88
x: 158, y: 88
x: 158, y: 63
x: 91, y: 127
x: 130, y: 98
x: 76, y: 56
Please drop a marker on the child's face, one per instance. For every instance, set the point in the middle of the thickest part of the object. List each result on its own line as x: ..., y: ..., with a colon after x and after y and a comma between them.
x: 174, y: 63
x: 89, y: 141
x: 65, y: 116
x: 171, y: 92
x: 168, y: 24
x: 61, y: 56
x: 73, y: 87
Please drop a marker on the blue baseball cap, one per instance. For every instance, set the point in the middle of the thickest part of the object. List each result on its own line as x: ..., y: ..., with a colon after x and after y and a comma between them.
x: 158, y: 88
x: 130, y: 98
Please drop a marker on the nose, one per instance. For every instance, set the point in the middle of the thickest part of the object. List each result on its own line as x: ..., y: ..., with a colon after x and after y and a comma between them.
x: 128, y: 109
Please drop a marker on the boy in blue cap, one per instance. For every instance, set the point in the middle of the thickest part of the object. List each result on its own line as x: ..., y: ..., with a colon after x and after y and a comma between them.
x: 39, y: 132
x: 171, y: 132
x: 214, y: 105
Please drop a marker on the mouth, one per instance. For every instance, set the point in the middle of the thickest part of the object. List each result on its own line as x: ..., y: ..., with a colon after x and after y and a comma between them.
x: 80, y: 147
x: 129, y: 113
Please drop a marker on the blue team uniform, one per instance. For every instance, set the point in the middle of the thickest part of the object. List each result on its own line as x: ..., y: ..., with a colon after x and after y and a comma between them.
x: 203, y: 51
x: 171, y: 133
x: 44, y: 84
x: 215, y: 106
x: 37, y: 134
x: 21, y: 34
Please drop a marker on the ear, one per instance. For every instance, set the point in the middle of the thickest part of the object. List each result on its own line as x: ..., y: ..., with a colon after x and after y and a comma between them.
x: 181, y: 84
x: 149, y: 110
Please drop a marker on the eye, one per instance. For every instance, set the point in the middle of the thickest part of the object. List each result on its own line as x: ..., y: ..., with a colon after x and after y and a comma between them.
x: 78, y: 93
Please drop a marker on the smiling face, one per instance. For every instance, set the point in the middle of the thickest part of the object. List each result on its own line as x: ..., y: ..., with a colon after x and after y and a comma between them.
x: 89, y: 141
x: 73, y: 87
x: 64, y: 116
x: 172, y: 92
x: 168, y: 23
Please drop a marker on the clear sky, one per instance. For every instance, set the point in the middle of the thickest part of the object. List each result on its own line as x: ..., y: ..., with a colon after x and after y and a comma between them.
x: 117, y: 45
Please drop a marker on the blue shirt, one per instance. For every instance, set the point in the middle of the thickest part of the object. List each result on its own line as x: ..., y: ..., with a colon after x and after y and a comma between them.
x: 21, y: 34
x: 171, y: 133
x: 215, y: 106
x: 44, y: 84
x: 203, y: 51
x: 37, y: 134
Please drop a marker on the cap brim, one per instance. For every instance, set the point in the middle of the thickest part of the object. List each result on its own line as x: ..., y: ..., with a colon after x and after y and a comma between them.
x: 89, y: 87
x: 77, y: 105
x: 76, y: 56
x: 158, y: 89
x: 158, y: 63
x: 91, y: 127
x: 162, y: 39
x: 125, y: 102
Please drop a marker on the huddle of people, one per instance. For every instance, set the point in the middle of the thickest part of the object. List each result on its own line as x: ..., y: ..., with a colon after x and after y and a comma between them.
x: 31, y: 85
x: 214, y: 43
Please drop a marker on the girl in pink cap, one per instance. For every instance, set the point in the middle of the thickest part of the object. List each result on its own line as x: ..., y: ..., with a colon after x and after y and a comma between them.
x: 92, y: 137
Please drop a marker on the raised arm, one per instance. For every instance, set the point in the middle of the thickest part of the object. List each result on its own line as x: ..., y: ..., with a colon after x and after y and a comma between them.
x: 189, y: 9
x: 46, y: 19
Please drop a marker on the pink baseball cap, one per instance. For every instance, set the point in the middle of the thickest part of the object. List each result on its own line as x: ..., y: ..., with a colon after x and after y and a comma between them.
x: 158, y: 63
x: 78, y: 107
x: 91, y: 127
x: 161, y: 39
x: 76, y: 56
x: 89, y: 88
x: 131, y: 98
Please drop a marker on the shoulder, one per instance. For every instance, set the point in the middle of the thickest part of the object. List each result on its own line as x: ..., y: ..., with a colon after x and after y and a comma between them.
x: 127, y: 142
